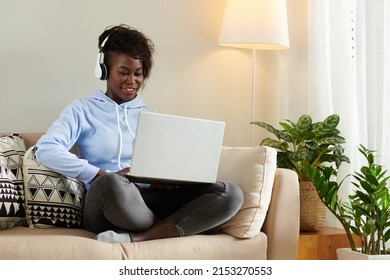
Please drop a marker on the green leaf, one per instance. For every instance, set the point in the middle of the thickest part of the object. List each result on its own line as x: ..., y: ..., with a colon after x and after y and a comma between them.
x: 356, y: 231
x: 291, y: 131
x: 331, y: 140
x: 303, y: 153
x: 370, y: 158
x: 331, y: 194
x: 283, y: 146
x: 267, y: 127
x: 328, y: 125
x: 365, y: 198
x: 387, y: 235
x: 284, y: 135
x: 304, y: 123
x: 341, y: 158
x: 312, y: 145
x: 366, y: 186
x: 386, y: 199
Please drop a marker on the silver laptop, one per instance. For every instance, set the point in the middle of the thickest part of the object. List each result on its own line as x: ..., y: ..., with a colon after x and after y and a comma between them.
x: 176, y: 150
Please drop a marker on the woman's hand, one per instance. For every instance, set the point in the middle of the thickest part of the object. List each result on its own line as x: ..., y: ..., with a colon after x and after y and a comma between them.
x: 159, y: 187
x: 124, y: 170
x: 101, y: 172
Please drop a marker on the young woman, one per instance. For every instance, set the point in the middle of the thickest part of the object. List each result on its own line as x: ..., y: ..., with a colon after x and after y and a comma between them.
x: 115, y: 208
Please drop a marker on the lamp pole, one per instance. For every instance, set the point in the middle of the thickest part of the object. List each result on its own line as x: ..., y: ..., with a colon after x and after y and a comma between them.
x: 253, y: 95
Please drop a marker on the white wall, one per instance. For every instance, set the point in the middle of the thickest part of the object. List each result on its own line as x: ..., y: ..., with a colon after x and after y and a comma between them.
x: 48, y: 50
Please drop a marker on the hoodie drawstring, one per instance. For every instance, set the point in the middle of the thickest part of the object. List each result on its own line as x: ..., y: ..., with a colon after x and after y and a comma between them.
x: 121, y: 134
x: 120, y: 137
x: 127, y: 123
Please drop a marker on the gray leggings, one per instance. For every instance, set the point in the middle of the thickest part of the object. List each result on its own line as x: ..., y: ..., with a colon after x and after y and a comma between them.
x: 113, y: 202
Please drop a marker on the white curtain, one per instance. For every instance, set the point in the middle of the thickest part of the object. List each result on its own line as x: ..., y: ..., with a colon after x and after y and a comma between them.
x: 339, y: 62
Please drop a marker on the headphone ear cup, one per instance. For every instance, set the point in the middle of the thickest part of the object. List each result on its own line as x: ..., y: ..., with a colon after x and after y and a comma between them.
x: 101, y: 70
x: 104, y: 69
x: 98, y: 69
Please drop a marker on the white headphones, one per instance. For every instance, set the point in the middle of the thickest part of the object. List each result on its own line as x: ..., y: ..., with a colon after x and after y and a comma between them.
x: 101, y: 70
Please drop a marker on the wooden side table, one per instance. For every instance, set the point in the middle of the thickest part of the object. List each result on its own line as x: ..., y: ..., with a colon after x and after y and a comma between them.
x: 322, y: 245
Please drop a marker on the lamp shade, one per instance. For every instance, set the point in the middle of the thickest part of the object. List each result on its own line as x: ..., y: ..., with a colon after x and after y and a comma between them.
x: 255, y: 24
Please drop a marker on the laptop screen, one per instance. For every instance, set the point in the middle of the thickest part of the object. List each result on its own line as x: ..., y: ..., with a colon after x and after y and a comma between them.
x: 176, y: 148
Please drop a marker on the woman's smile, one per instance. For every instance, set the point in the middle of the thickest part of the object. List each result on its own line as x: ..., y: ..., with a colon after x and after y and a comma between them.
x: 130, y: 91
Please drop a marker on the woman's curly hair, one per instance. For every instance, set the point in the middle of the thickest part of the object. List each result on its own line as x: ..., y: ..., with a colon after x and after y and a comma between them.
x: 128, y: 40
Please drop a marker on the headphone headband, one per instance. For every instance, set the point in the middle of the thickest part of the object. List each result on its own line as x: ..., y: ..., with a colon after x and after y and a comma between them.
x: 104, y: 42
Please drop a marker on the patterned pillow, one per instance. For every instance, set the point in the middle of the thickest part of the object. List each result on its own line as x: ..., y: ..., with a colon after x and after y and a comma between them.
x: 12, y: 212
x: 51, y: 198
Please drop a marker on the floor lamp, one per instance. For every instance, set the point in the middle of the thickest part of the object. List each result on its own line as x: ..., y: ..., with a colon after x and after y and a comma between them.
x: 256, y: 25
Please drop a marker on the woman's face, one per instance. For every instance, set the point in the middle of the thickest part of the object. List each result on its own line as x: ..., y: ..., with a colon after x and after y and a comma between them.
x: 125, y: 77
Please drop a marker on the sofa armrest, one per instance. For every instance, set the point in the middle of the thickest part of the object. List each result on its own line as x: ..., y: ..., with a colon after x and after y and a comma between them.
x: 282, y: 222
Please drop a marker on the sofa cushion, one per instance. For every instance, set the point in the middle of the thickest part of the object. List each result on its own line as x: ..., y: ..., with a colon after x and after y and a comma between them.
x: 12, y: 211
x: 51, y: 198
x: 253, y: 169
x: 24, y: 243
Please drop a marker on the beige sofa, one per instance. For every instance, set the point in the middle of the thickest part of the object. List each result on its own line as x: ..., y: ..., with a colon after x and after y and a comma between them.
x: 271, y: 232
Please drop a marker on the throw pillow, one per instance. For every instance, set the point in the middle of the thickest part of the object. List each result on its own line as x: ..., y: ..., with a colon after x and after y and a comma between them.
x: 253, y: 169
x: 12, y: 211
x: 51, y: 198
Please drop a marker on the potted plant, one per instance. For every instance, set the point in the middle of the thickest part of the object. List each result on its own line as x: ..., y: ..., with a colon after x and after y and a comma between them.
x: 305, y: 143
x: 366, y: 212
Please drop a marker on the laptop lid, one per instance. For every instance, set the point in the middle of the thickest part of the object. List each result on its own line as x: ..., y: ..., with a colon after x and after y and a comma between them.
x: 176, y: 149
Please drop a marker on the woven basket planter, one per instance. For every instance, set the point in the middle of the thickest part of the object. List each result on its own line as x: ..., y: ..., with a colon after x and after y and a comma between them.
x: 312, y: 209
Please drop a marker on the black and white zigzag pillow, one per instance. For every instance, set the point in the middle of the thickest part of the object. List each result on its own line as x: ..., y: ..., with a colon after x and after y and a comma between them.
x: 52, y: 200
x: 12, y: 211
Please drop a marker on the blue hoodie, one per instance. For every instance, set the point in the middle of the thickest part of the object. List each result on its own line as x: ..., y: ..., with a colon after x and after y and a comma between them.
x: 103, y: 132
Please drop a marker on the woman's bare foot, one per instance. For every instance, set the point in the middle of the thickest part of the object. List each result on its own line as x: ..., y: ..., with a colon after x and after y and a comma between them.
x: 162, y: 229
